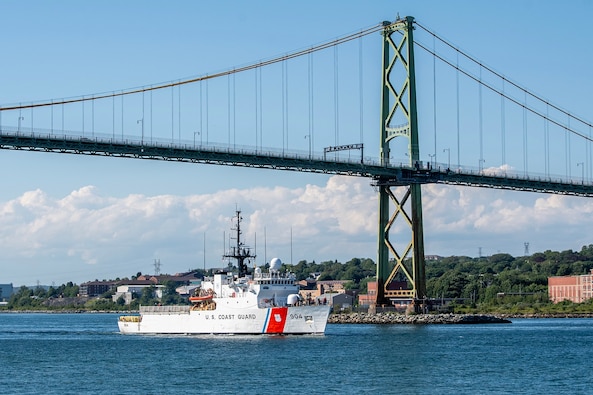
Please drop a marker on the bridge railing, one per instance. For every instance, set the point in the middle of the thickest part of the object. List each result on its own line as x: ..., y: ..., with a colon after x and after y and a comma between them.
x: 503, y: 172
x: 159, y: 142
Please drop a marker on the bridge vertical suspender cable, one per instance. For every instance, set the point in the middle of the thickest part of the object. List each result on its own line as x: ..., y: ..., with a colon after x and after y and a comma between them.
x: 234, y: 111
x: 261, y: 114
x: 179, y: 112
x: 502, y: 128
x: 481, y: 123
x: 458, y: 119
x: 547, y: 140
x: 228, y: 108
x: 112, y: 117
x: 569, y: 159
x: 172, y: 114
x: 207, y: 114
x: 589, y: 156
x: 283, y: 106
x: 434, y: 99
x: 287, y: 112
x: 360, y: 89
x: 255, y: 102
x: 151, y: 119
x: 312, y: 100
x: 336, y: 98
x: 122, y: 117
x: 82, y: 116
x: 525, y: 162
x: 143, y: 117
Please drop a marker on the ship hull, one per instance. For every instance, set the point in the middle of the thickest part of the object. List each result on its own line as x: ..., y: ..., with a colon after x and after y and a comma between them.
x: 224, y: 320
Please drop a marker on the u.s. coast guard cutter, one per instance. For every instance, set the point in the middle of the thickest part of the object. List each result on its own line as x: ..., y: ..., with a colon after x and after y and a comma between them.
x: 257, y: 303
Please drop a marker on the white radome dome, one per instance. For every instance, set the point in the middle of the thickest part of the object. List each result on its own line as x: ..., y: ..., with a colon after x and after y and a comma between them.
x: 275, y: 264
x: 293, y: 299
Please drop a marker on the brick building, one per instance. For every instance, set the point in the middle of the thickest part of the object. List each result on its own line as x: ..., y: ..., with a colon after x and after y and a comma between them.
x: 370, y: 297
x: 574, y: 288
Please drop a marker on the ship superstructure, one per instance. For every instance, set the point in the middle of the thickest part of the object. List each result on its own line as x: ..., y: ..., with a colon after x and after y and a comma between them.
x: 257, y: 303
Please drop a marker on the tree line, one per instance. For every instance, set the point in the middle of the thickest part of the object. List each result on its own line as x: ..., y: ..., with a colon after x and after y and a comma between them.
x: 491, y: 283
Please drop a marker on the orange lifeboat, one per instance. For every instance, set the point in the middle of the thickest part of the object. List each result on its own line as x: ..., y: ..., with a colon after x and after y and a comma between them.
x: 196, y: 299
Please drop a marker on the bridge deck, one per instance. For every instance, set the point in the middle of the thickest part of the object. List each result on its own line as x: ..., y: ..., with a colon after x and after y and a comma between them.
x: 392, y: 175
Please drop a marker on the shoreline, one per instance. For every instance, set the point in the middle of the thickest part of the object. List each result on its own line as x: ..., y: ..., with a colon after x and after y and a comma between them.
x: 463, y: 318
x: 415, y: 319
x: 365, y: 318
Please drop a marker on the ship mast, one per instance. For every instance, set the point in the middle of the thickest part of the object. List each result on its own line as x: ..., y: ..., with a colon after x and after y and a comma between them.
x: 240, y: 252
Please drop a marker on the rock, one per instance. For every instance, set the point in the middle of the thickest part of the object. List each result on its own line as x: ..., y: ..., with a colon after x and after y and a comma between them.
x: 415, y: 319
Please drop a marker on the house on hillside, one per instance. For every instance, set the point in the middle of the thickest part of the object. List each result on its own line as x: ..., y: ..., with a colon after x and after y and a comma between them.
x: 96, y: 288
x: 131, y: 289
x: 181, y: 278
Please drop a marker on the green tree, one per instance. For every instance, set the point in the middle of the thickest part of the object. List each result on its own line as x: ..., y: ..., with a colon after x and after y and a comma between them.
x: 147, y: 296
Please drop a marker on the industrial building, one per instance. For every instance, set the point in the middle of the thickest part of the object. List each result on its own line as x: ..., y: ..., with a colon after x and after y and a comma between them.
x: 574, y: 288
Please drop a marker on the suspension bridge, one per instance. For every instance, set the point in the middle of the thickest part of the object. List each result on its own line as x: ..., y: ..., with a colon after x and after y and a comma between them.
x: 326, y: 109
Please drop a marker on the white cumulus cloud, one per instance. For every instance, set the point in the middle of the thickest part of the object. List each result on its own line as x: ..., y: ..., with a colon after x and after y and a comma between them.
x: 85, y: 235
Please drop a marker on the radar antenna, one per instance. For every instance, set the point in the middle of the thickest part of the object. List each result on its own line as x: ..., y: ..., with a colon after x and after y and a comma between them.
x: 240, y: 252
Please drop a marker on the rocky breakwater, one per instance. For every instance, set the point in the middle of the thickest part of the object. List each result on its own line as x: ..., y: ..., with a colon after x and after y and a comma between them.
x: 417, y: 319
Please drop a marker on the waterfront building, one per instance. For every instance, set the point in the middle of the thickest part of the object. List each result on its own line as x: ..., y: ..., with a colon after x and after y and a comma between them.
x: 574, y: 288
x: 96, y: 288
x: 5, y: 291
x: 331, y: 286
x: 370, y: 298
x: 340, y: 301
x: 131, y: 289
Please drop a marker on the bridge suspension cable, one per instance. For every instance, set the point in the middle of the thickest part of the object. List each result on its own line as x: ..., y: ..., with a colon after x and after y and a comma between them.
x: 251, y: 66
x: 526, y: 92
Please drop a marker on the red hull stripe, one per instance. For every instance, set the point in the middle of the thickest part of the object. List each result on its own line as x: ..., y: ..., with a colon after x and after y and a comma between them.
x: 277, y: 320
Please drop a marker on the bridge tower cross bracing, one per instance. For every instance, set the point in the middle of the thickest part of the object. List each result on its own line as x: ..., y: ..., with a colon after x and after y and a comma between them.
x: 408, y: 265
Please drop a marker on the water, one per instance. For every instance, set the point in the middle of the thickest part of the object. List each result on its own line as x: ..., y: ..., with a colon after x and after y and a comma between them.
x: 84, y: 353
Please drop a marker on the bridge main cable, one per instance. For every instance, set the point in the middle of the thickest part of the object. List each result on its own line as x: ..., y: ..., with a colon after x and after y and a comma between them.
x: 495, y: 90
x: 325, y: 45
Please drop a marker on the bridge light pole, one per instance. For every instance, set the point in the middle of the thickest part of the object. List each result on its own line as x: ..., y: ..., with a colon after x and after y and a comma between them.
x: 21, y: 118
x: 195, y: 139
x: 308, y: 136
x: 481, y: 165
x: 448, y: 157
x: 432, y: 157
x: 141, y: 121
x: 582, y: 164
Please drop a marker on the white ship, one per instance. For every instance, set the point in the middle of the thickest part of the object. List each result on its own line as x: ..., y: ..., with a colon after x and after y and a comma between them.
x: 257, y: 303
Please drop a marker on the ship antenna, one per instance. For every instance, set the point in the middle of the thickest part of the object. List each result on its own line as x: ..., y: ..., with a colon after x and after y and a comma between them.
x: 240, y: 252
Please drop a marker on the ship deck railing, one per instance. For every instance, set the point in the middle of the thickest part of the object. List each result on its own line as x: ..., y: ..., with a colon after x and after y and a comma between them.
x: 274, y: 276
x: 165, y: 309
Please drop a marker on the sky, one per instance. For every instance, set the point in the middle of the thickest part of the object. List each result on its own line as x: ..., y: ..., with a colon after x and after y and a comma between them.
x: 78, y: 218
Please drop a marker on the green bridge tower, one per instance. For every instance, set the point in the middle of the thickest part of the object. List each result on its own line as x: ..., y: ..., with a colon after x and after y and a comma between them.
x: 402, y: 277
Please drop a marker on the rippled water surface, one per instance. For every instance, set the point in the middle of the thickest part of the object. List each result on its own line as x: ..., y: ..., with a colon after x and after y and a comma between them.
x: 84, y: 353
